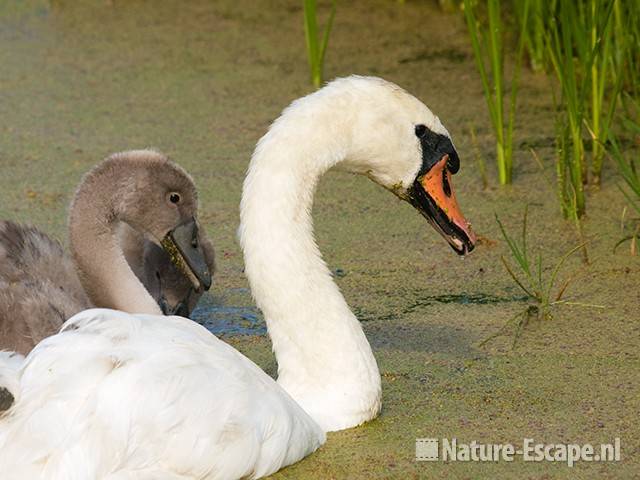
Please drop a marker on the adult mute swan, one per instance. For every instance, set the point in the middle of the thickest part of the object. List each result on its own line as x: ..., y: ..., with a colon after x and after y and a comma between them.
x: 166, y: 399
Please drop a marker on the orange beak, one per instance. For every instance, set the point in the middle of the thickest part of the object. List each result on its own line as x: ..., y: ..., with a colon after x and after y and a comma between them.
x: 433, y: 195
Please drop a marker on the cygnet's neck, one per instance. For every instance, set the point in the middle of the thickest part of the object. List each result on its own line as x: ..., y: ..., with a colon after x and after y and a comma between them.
x: 324, y: 360
x: 94, y: 220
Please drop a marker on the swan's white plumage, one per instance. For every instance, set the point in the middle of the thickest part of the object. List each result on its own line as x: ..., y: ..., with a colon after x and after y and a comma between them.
x: 360, y: 124
x: 134, y: 396
x: 117, y: 396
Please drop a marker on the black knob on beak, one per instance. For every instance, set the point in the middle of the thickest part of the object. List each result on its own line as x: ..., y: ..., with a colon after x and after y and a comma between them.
x: 453, y: 164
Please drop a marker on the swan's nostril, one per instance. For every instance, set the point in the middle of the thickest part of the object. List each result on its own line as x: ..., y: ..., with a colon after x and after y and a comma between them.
x: 194, y: 238
x: 445, y: 183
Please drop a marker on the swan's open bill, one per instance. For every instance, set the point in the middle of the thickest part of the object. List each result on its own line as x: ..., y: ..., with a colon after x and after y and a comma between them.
x: 432, y: 191
x: 432, y: 194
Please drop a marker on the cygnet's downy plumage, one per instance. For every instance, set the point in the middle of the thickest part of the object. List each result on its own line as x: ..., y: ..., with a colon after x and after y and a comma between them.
x: 39, y: 283
x: 40, y: 289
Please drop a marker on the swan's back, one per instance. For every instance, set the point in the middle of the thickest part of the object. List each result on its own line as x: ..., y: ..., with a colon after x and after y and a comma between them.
x: 39, y: 287
x: 136, y: 396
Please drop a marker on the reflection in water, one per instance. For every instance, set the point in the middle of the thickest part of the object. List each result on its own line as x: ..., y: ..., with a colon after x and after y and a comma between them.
x: 222, y: 319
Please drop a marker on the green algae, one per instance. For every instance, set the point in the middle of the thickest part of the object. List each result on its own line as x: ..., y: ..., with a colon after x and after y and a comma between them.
x: 202, y: 81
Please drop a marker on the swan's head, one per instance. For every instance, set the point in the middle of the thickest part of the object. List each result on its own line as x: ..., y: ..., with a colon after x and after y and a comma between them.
x: 167, y: 284
x: 165, y: 206
x: 400, y: 144
x: 157, y: 198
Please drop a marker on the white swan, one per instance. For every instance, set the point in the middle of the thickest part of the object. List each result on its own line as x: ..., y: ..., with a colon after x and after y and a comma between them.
x: 166, y: 399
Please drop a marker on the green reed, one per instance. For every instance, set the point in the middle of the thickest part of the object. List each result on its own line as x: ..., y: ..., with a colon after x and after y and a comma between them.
x: 544, y: 291
x: 572, y: 53
x: 316, y: 46
x: 488, y: 48
x: 599, y: 52
x: 629, y: 171
x: 569, y: 144
x: 534, y: 29
x: 627, y: 53
x: 588, y: 62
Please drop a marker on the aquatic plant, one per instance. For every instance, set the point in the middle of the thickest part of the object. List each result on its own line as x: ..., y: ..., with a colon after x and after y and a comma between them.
x: 631, y: 232
x: 544, y: 292
x: 580, y: 48
x: 597, y: 51
x: 534, y: 29
x: 570, y: 108
x: 488, y: 48
x: 316, y: 48
x: 629, y: 172
x: 480, y: 163
x: 626, y: 54
x: 448, y: 6
x: 631, y: 119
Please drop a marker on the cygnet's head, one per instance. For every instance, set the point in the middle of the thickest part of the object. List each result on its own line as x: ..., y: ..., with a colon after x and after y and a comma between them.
x: 167, y: 284
x: 152, y: 195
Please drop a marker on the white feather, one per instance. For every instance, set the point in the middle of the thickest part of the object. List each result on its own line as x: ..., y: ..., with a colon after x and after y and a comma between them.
x: 122, y: 397
x: 115, y: 395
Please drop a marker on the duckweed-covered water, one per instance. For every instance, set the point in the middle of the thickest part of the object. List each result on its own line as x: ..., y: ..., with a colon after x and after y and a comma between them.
x: 202, y: 80
x: 224, y: 318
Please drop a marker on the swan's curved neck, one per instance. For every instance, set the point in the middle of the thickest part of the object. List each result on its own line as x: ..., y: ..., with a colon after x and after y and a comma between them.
x: 324, y: 360
x: 100, y: 261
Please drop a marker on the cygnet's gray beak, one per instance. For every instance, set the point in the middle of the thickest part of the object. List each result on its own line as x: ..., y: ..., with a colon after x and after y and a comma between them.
x: 185, y: 252
x: 180, y: 310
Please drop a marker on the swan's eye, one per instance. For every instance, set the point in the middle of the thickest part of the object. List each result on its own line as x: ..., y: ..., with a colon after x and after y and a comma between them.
x: 420, y: 130
x: 174, y: 198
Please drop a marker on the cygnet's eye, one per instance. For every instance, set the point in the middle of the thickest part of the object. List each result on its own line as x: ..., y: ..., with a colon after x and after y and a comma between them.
x: 174, y: 198
x: 420, y: 130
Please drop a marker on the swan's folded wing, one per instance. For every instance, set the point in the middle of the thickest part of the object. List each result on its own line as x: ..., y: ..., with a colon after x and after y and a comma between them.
x: 115, y: 394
